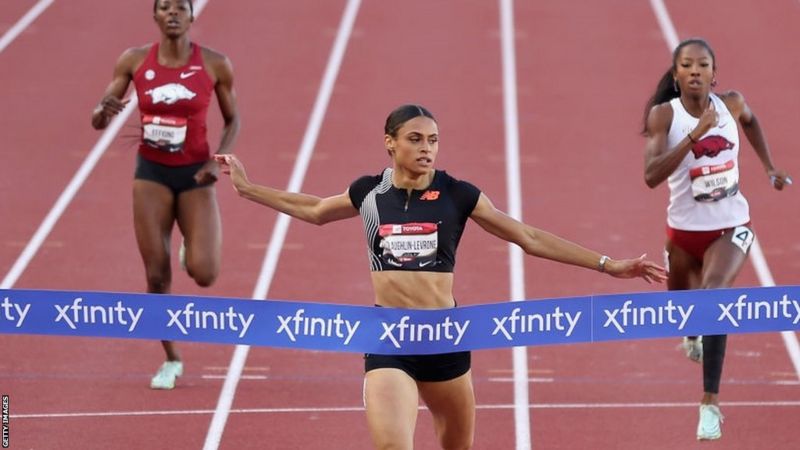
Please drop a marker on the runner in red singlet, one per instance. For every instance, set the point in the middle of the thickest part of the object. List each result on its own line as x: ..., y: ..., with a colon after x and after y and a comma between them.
x: 175, y: 174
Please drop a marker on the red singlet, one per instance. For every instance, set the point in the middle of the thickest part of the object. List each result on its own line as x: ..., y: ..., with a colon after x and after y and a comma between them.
x: 173, y: 103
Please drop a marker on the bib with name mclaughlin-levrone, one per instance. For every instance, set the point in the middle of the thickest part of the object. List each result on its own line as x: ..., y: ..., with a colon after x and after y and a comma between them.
x: 409, y: 244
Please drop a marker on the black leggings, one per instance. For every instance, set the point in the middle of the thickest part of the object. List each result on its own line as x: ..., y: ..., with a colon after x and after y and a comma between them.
x: 713, y: 357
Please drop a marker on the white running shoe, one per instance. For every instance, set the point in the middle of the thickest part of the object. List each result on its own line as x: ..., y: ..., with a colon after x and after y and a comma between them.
x: 693, y: 348
x: 166, y: 375
x: 708, y: 426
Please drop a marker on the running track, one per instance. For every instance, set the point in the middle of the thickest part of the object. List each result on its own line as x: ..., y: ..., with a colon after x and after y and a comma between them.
x: 583, y: 72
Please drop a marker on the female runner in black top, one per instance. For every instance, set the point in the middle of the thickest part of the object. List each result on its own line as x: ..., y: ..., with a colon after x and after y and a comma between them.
x: 413, y: 218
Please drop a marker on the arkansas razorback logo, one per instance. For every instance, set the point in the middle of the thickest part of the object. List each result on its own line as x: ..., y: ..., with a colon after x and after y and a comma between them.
x: 711, y: 146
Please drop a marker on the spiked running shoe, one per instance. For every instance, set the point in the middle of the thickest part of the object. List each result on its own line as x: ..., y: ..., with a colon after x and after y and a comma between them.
x: 708, y: 426
x: 166, y: 375
x: 693, y: 348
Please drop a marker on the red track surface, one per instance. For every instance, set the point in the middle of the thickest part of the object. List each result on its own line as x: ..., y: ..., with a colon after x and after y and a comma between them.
x: 584, y: 72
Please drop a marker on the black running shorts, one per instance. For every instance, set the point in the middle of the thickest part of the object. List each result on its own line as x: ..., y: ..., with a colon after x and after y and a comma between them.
x: 178, y: 178
x: 441, y: 367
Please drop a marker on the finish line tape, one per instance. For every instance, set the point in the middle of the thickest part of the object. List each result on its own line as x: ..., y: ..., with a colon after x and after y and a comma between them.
x: 362, y: 329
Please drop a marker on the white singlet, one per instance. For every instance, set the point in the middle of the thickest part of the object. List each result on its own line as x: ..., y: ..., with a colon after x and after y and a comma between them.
x: 704, y: 189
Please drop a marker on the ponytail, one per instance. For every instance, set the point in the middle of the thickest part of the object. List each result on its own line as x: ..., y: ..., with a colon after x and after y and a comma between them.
x: 666, y: 90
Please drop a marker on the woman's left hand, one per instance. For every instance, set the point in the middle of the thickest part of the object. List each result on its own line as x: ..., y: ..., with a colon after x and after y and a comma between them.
x: 207, y: 174
x: 779, y: 179
x: 638, y: 267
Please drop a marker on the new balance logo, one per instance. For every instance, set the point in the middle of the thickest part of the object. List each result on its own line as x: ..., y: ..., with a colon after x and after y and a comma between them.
x: 430, y: 195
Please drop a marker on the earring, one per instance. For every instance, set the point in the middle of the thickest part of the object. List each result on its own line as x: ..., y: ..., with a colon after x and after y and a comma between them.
x: 675, y: 85
x: 714, y: 82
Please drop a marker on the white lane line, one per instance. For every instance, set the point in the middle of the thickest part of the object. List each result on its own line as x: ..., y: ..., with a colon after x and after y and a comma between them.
x: 765, y: 278
x: 348, y: 409
x: 242, y: 377
x: 756, y: 254
x: 585, y: 382
x: 513, y: 188
x: 239, y: 358
x: 665, y: 23
x: 74, y: 185
x: 514, y: 380
x: 23, y: 23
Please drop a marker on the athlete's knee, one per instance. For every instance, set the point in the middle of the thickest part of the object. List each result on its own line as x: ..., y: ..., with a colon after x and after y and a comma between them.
x: 459, y: 446
x: 715, y: 281
x: 158, y: 281
x: 392, y: 439
x: 458, y: 443
x: 203, y: 276
x: 455, y: 437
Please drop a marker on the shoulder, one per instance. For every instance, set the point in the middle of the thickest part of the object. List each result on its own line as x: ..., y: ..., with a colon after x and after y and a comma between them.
x: 733, y: 96
x: 362, y: 186
x: 464, y: 193
x: 215, y: 59
x: 133, y: 57
x: 659, y: 118
x: 218, y: 66
x: 367, y: 181
x: 734, y: 100
x: 662, y: 111
x: 455, y: 183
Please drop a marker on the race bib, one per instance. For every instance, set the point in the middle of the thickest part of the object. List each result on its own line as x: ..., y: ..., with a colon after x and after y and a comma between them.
x: 167, y: 134
x: 409, y: 245
x: 713, y: 183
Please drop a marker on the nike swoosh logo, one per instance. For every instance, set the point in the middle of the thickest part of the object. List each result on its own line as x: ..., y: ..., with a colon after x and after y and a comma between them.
x: 185, y: 75
x: 425, y: 263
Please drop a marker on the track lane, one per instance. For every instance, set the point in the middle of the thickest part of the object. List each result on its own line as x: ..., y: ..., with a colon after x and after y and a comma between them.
x: 755, y: 58
x: 593, y: 84
x: 17, y: 19
x: 454, y: 70
x: 37, y: 131
x: 261, y: 82
x: 46, y: 355
x: 11, y: 12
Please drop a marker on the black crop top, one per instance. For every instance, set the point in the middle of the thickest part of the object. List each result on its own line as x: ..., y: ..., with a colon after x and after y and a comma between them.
x: 419, y: 231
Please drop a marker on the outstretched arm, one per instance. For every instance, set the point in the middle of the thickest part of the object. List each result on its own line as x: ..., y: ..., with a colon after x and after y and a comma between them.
x: 308, y: 208
x: 549, y: 246
x: 755, y: 135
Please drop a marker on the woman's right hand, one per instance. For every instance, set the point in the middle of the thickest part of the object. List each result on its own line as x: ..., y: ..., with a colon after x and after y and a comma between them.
x: 110, y: 106
x: 230, y: 165
x: 708, y: 120
x: 637, y: 267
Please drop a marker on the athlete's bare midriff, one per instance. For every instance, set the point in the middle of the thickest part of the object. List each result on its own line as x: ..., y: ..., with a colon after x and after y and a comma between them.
x: 421, y: 290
